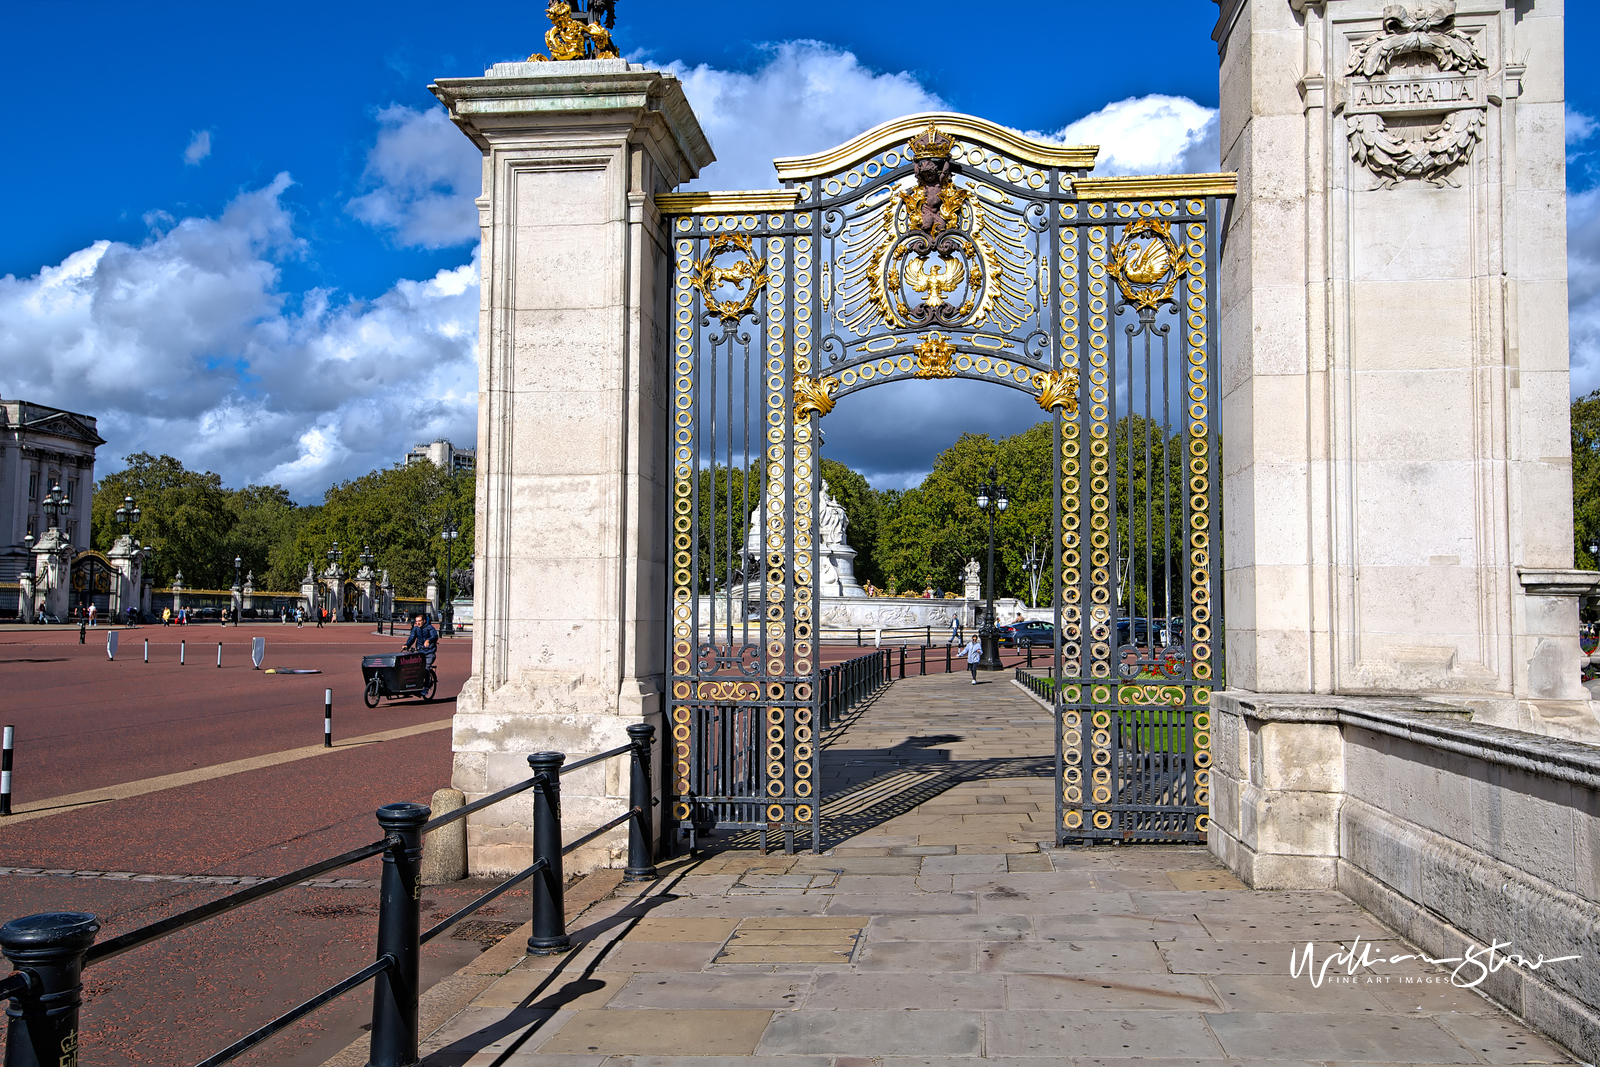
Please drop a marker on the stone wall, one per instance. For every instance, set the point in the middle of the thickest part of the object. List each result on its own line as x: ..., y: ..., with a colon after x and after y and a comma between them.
x: 1394, y: 383
x: 1452, y: 832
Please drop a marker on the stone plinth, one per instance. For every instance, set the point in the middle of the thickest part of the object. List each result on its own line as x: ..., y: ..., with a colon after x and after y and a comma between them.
x: 1394, y: 359
x: 574, y: 346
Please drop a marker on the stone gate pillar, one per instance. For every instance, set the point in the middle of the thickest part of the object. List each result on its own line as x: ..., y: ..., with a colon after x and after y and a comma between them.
x: 1395, y: 442
x: 1394, y: 357
x: 574, y: 348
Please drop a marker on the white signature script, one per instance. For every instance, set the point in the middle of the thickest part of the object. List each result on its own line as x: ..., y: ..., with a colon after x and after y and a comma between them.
x: 1478, y: 963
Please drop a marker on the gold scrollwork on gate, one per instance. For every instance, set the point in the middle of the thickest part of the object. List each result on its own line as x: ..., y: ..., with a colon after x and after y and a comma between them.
x: 746, y: 276
x: 1147, y: 263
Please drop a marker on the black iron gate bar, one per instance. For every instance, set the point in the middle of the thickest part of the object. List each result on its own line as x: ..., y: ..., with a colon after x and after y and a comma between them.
x: 997, y: 235
x: 1132, y: 688
x: 51, y: 950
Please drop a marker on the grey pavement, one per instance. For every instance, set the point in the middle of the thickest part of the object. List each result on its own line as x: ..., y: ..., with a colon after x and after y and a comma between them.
x: 942, y: 928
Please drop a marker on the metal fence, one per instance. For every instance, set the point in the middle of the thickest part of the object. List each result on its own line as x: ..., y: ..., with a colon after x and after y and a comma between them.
x: 50, y: 951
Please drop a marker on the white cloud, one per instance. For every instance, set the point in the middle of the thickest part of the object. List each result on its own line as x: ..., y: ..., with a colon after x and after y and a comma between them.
x: 186, y: 345
x: 427, y: 176
x: 1148, y: 135
x: 1583, y: 290
x: 807, y: 97
x: 1579, y: 126
x: 199, y: 148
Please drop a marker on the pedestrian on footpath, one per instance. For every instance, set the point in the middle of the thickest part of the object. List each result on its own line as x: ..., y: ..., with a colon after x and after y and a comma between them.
x: 973, y: 652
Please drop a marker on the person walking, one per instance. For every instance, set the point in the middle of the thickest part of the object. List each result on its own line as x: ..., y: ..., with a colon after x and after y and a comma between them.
x: 973, y: 652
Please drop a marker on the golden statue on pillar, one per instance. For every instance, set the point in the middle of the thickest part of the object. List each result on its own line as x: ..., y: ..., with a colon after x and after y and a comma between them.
x: 579, y: 33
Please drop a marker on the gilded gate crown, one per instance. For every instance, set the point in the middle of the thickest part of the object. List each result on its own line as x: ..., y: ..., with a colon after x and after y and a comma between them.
x: 931, y: 144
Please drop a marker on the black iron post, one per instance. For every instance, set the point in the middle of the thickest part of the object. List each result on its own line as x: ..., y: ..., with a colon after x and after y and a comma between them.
x: 549, y: 907
x: 449, y: 534
x: 42, y: 1022
x: 641, y: 838
x: 395, y: 991
x: 992, y: 499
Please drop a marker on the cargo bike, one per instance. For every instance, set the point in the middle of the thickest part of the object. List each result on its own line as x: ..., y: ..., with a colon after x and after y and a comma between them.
x: 398, y: 674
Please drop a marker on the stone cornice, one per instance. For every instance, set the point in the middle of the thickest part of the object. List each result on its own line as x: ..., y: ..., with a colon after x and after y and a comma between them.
x: 510, y: 94
x: 1558, y: 582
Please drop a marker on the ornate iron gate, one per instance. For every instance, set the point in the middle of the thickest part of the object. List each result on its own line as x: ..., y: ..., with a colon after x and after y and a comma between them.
x: 941, y: 246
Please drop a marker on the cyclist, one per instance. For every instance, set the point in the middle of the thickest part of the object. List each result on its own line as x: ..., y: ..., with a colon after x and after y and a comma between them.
x: 423, y: 637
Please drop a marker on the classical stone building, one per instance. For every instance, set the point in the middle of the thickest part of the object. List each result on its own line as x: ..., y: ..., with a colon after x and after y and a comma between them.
x: 40, y: 447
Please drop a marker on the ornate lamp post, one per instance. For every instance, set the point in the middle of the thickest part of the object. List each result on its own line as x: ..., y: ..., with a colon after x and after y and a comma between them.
x: 991, y: 499
x: 128, y: 514
x: 55, y: 505
x: 448, y: 534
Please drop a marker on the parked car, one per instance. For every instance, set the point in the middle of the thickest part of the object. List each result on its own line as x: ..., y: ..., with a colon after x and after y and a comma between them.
x: 1031, y: 634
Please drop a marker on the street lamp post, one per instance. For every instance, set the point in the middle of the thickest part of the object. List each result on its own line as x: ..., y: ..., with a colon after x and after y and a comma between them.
x: 127, y: 516
x: 448, y: 534
x: 991, y: 499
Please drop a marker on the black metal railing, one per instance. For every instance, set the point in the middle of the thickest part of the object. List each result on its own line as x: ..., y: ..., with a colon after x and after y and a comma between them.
x: 1040, y: 683
x: 50, y: 951
x: 844, y: 685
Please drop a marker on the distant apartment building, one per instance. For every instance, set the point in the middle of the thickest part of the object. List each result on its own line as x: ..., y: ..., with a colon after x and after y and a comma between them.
x: 41, y: 447
x: 442, y: 453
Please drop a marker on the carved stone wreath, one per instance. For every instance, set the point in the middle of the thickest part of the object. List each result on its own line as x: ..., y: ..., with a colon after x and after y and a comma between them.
x: 1427, y: 30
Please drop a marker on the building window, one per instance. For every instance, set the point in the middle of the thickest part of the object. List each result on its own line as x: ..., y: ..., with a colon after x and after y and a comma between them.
x: 33, y: 485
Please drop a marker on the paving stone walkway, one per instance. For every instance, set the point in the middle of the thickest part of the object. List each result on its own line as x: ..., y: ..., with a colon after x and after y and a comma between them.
x: 942, y: 928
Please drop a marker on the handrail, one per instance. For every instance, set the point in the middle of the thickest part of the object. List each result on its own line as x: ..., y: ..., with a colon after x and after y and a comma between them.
x: 631, y: 813
x: 54, y: 962
x: 596, y: 758
x: 516, y: 879
x: 478, y: 805
x: 338, y: 989
x: 133, y: 939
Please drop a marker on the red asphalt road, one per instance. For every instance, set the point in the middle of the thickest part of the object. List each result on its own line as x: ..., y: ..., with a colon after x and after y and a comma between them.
x: 84, y: 722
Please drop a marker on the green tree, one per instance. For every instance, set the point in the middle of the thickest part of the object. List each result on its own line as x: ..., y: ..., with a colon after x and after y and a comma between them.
x: 266, y: 524
x: 185, y: 517
x: 930, y: 532
x: 1586, y: 477
x: 398, y: 512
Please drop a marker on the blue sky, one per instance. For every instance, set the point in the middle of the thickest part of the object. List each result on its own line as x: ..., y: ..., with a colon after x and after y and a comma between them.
x: 247, y: 240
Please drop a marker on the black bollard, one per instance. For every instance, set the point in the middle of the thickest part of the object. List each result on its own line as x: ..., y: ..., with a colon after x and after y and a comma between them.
x: 641, y: 839
x: 549, y: 906
x: 395, y: 991
x: 42, y: 1022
